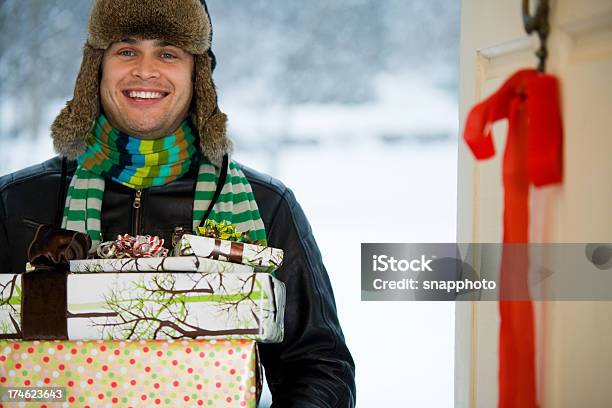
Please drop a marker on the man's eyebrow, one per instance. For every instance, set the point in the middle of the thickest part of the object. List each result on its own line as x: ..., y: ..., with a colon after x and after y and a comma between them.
x: 157, y: 43
x: 160, y: 43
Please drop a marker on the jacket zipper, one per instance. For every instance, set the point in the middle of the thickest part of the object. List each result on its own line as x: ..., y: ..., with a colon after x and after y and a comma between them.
x: 136, y: 205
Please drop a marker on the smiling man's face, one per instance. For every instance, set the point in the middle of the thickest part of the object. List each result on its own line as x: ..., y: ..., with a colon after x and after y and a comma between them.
x: 146, y: 87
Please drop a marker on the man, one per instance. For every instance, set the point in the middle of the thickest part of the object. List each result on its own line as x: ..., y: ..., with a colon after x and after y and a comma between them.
x: 142, y: 149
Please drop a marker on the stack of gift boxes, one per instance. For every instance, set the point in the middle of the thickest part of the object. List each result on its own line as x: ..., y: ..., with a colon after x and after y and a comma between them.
x: 151, y: 331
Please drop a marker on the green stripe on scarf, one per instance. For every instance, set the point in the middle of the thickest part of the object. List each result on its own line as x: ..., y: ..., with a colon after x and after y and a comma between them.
x: 139, y: 164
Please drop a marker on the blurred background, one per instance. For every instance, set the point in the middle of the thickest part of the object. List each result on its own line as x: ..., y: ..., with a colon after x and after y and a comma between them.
x: 351, y: 103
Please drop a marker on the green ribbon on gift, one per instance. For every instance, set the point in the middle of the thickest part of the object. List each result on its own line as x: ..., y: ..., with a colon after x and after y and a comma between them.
x: 224, y: 230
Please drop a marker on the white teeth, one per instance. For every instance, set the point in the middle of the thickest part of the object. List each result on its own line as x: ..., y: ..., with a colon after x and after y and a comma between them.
x: 146, y: 95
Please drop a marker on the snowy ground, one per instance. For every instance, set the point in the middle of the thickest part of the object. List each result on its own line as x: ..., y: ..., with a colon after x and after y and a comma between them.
x: 404, y: 352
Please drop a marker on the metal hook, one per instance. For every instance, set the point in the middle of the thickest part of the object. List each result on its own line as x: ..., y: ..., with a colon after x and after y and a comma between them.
x: 539, y: 23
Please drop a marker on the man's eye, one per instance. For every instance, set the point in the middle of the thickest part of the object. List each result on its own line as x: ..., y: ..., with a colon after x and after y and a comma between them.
x: 127, y: 53
x: 167, y: 55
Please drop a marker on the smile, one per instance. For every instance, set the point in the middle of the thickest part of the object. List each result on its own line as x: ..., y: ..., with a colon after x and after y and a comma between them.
x: 144, y: 98
x: 145, y: 94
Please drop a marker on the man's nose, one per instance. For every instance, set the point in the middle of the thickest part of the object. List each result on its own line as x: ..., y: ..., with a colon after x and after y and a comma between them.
x: 146, y: 68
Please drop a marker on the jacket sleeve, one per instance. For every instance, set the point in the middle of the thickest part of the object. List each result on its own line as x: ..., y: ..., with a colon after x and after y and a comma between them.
x: 5, y: 264
x: 312, y: 367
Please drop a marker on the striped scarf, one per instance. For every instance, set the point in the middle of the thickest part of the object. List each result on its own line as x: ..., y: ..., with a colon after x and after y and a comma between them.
x: 112, y: 155
x: 134, y: 162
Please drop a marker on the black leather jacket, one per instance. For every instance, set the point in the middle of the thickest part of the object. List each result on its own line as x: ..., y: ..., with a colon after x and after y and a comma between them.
x: 312, y: 367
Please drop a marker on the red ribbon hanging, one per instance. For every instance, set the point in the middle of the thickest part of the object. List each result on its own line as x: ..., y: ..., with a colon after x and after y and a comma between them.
x: 533, y: 155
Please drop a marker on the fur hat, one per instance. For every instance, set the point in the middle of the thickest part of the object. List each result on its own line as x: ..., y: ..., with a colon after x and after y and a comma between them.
x: 183, y: 23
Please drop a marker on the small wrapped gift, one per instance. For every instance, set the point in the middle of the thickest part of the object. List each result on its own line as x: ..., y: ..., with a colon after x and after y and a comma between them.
x: 262, y: 258
x: 145, y: 373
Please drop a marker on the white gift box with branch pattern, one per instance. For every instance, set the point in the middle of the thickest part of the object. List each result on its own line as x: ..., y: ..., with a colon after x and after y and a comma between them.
x: 262, y: 258
x: 172, y: 305
x: 10, y: 305
x: 170, y: 264
x: 149, y: 305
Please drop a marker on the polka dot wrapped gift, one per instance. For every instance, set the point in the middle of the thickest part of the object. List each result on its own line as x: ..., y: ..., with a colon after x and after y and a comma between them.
x: 182, y: 373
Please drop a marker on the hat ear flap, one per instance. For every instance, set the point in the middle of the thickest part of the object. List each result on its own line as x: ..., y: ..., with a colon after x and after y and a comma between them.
x: 209, y: 121
x: 70, y: 128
